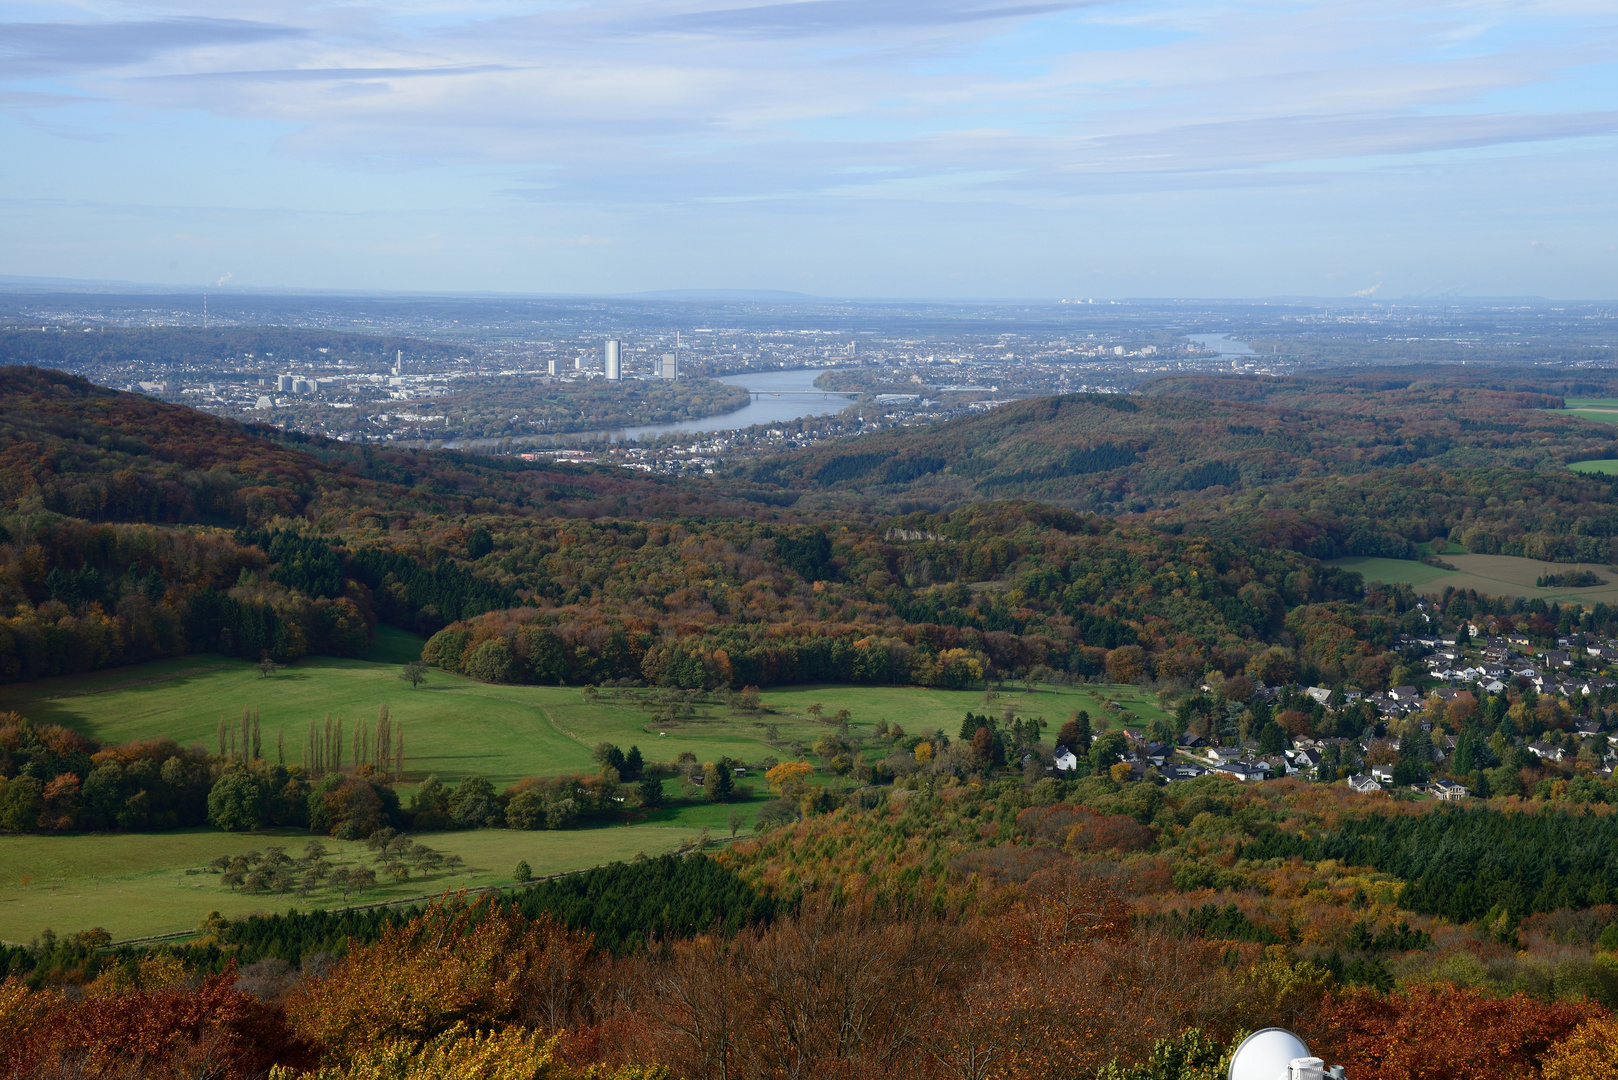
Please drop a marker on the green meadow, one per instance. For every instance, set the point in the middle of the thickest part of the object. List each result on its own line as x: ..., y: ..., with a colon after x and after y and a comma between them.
x: 1600, y: 466
x: 1491, y: 575
x: 142, y: 884
x: 1601, y: 410
x: 455, y: 727
x: 139, y: 884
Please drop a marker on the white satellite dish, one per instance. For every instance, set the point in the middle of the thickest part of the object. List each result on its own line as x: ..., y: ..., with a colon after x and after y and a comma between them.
x: 1267, y: 1054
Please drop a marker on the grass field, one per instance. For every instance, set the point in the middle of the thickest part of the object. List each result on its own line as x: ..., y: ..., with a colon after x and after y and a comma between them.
x: 1601, y: 410
x: 456, y: 727
x: 137, y: 885
x: 1493, y: 575
x: 1601, y: 466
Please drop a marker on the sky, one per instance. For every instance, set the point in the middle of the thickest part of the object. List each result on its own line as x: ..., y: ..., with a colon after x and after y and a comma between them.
x: 846, y: 148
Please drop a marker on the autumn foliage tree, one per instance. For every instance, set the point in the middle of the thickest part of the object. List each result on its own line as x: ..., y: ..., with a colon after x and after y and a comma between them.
x: 475, y: 963
x: 177, y: 1032
x: 1441, y: 1031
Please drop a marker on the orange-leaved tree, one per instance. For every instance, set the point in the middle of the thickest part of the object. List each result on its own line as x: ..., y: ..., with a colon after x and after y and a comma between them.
x: 211, y: 1030
x: 479, y: 964
x: 1441, y: 1030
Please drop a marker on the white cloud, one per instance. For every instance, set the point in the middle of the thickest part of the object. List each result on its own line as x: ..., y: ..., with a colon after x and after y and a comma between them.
x: 814, y: 107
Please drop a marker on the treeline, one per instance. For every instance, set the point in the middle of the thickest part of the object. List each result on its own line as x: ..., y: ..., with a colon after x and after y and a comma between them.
x: 1472, y: 864
x: 80, y: 597
x: 623, y: 906
x: 740, y: 603
x: 55, y: 780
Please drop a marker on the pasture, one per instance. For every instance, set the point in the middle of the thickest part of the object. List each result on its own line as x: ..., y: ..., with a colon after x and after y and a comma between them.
x: 1492, y: 575
x: 455, y: 727
x: 1601, y: 410
x: 135, y: 885
x: 138, y: 884
x: 1597, y: 466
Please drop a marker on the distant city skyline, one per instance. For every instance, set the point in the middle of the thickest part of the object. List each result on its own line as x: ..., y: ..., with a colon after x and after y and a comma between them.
x: 837, y: 148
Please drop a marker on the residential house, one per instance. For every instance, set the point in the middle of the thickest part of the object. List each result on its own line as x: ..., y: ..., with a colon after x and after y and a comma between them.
x: 1245, y: 771
x: 1363, y: 784
x: 1066, y: 760
x: 1545, y: 751
x: 1447, y: 790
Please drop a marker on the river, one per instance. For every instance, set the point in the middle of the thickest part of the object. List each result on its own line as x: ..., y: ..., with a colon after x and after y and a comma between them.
x: 1222, y: 344
x: 777, y: 396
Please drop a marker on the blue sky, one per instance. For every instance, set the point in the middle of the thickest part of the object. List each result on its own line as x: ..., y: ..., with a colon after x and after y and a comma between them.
x: 924, y: 148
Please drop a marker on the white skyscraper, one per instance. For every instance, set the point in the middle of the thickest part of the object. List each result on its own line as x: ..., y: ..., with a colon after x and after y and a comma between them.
x: 552, y: 366
x: 615, y: 364
x: 668, y: 367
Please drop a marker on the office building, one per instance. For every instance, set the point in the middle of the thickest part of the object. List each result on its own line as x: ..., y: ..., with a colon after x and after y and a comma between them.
x: 668, y: 367
x: 283, y: 383
x: 553, y: 366
x: 615, y: 363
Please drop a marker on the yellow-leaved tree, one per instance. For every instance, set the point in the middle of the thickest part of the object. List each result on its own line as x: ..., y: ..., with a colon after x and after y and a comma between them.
x: 459, y: 1054
x: 1590, y: 1053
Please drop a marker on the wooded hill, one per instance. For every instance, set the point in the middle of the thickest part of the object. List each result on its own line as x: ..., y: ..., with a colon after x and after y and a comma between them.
x: 73, y: 448
x: 137, y: 529
x: 1184, y: 438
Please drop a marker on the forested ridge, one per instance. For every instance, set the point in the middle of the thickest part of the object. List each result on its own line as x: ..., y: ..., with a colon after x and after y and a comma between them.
x: 136, y: 529
x: 1181, y: 437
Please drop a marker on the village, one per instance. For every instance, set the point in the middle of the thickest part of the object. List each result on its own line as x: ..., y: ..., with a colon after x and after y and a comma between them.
x: 1410, y: 737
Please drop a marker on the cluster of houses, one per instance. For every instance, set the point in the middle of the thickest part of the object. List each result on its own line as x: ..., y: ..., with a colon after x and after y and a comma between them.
x: 1503, y: 662
x: 1504, y: 659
